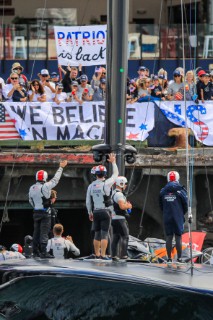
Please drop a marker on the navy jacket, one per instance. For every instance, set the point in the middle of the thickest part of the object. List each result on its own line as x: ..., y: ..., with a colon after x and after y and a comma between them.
x: 174, y: 204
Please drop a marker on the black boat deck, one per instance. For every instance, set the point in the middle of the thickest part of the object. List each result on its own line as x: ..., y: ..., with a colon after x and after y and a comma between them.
x: 160, y: 275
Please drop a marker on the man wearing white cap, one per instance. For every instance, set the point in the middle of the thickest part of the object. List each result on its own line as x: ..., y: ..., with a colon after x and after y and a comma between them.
x: 49, y: 87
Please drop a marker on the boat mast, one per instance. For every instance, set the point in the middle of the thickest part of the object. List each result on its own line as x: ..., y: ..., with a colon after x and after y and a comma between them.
x: 115, y: 106
x: 117, y: 64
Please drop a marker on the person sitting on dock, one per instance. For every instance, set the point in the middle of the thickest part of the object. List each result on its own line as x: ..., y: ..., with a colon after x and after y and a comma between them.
x: 60, y: 247
x: 174, y: 204
x: 10, y: 255
x: 39, y: 198
x: 98, y: 202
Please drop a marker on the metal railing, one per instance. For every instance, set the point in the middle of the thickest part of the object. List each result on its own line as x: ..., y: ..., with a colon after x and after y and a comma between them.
x: 30, y: 41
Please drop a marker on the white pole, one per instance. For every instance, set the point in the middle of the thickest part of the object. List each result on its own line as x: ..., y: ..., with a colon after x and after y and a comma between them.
x: 187, y: 147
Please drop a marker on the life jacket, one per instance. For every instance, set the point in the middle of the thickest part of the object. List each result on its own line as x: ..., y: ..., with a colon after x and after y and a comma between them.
x: 38, y: 198
x: 61, y: 242
x: 98, y: 196
x: 117, y: 209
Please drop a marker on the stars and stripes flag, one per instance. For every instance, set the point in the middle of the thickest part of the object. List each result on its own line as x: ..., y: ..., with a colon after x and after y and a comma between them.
x: 7, y: 126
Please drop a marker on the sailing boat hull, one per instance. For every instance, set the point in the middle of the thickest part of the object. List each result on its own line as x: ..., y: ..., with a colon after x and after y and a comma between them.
x: 95, y: 290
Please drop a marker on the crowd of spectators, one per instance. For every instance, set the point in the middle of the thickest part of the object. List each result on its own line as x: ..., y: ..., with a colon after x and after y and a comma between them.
x: 74, y: 86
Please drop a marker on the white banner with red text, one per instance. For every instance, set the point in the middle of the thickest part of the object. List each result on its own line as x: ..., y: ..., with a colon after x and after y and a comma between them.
x: 85, y: 45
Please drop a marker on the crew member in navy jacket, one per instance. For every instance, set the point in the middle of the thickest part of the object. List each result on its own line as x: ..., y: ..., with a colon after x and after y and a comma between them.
x: 174, y: 204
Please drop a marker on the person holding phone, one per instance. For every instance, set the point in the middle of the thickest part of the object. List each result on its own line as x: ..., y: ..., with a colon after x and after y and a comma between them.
x: 59, y: 96
x: 75, y: 95
x: 85, y: 89
x: 49, y: 87
x: 36, y: 92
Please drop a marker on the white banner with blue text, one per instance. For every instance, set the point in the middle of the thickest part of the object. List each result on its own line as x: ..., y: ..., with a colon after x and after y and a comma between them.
x: 71, y: 121
x: 84, y: 45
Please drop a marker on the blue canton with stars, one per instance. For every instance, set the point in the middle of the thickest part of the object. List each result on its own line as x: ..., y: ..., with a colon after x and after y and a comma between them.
x: 173, y: 116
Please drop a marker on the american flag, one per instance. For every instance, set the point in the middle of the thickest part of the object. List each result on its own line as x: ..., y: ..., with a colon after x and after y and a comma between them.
x: 7, y: 126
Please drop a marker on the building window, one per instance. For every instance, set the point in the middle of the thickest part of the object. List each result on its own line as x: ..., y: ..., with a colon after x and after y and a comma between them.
x: 7, y: 12
x: 5, y: 2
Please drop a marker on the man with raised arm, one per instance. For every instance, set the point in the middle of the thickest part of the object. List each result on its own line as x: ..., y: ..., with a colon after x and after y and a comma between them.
x: 98, y: 202
x: 39, y: 198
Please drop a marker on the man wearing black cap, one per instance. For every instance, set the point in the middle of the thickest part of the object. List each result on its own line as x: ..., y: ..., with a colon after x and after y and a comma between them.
x: 75, y: 95
x: 85, y: 89
x: 54, y: 76
x: 206, y: 88
x: 142, y: 73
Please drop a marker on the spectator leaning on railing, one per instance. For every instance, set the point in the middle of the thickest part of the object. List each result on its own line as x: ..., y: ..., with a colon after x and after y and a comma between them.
x: 206, y: 88
x: 175, y: 86
x: 144, y: 87
x: 59, y: 96
x: 75, y: 95
x: 49, y: 86
x: 85, y: 89
x: 132, y: 92
x: 10, y: 88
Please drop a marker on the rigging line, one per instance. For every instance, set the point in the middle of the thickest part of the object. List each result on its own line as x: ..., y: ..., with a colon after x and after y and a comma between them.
x: 2, y: 33
x: 187, y: 147
x: 159, y: 30
x: 39, y: 36
x: 207, y: 178
x: 206, y: 169
x: 168, y: 29
x: 191, y: 153
x: 145, y: 200
x: 144, y: 204
x: 18, y: 142
x: 81, y: 24
x: 5, y: 205
x: 131, y: 177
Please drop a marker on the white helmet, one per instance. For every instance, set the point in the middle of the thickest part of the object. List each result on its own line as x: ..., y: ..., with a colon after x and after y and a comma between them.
x: 16, y: 248
x: 121, y: 181
x: 173, y: 176
x: 100, y: 170
x: 93, y: 170
x: 41, y: 176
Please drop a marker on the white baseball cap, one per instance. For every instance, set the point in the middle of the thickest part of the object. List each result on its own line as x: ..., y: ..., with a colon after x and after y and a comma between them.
x: 44, y: 72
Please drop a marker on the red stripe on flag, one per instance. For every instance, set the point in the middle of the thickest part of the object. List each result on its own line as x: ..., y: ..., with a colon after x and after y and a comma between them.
x: 7, y: 129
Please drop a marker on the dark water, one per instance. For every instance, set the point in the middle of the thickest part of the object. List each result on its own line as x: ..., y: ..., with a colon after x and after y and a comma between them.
x: 61, y: 298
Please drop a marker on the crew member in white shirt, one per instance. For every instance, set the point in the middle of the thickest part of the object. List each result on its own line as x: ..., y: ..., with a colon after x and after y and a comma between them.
x: 61, y: 247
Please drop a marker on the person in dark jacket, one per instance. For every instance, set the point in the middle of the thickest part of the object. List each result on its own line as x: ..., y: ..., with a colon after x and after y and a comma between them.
x: 174, y: 204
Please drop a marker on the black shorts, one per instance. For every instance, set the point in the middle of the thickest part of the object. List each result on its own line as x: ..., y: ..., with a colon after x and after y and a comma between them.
x: 101, y: 219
